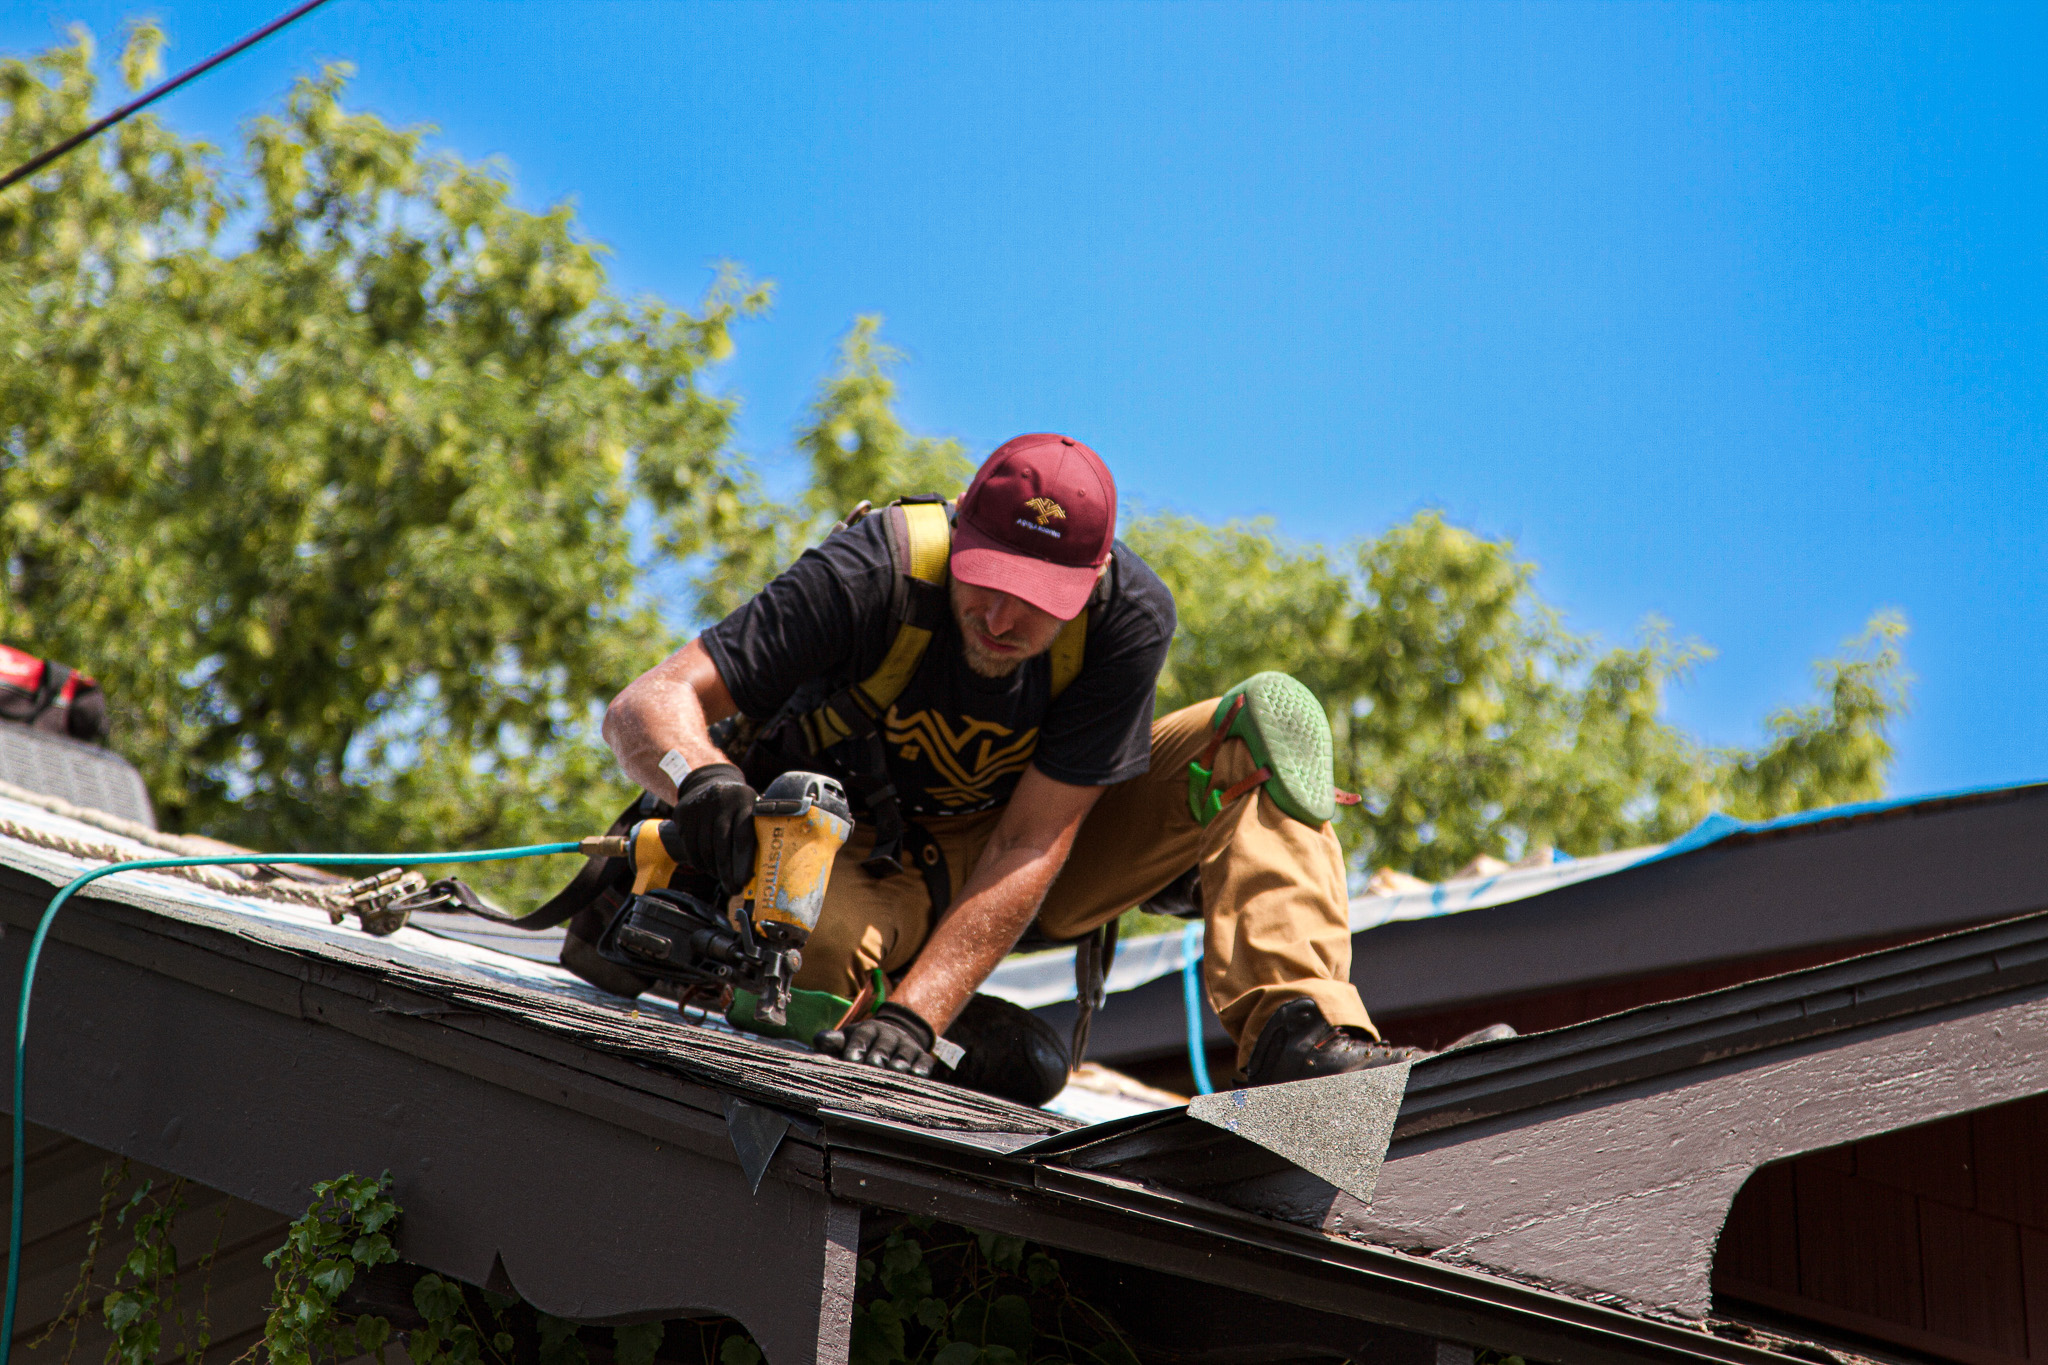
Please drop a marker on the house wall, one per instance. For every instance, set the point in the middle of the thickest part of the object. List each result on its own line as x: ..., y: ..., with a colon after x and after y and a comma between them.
x: 71, y: 1186
x: 1934, y: 1238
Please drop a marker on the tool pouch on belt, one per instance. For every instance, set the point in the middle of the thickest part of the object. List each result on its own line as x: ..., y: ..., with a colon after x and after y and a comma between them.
x: 1093, y: 957
x: 1284, y: 727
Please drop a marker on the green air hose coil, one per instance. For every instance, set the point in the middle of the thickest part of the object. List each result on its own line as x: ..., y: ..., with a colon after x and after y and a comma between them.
x: 35, y: 953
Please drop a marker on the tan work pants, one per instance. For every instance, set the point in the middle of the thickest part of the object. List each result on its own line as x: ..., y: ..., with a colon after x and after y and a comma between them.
x: 1274, y: 897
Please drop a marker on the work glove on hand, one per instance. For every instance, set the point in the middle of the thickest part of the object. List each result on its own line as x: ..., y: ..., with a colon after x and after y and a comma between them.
x: 712, y: 828
x: 893, y: 1037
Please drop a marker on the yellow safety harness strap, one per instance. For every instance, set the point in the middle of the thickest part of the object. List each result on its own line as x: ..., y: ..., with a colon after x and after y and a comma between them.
x: 921, y: 541
x: 1068, y: 647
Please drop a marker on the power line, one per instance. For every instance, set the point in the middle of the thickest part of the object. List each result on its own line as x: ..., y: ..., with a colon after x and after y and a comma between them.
x: 42, y: 159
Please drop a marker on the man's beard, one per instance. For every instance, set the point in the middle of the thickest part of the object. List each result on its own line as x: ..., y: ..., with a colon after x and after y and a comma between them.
x: 982, y: 661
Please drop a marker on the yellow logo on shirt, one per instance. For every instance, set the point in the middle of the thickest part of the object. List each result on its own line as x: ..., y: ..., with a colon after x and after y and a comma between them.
x: 970, y: 760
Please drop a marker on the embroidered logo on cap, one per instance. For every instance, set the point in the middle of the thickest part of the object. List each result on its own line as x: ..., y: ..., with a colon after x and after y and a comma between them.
x: 1047, y: 511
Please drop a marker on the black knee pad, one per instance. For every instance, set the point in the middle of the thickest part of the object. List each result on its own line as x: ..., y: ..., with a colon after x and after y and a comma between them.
x: 1011, y: 1052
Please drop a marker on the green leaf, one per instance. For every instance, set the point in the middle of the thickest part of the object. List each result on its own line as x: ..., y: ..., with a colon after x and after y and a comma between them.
x: 374, y: 1249
x: 738, y: 1350
x: 900, y: 1254
x: 331, y: 1277
x: 120, y: 1309
x: 1009, y: 1323
x: 970, y: 1319
x: 1004, y: 1253
x: 1041, y: 1269
x: 437, y: 1300
x: 372, y: 1332
x: 931, y: 1313
x: 559, y: 1344
x: 870, y: 1344
x: 959, y: 1353
x: 884, y: 1321
x: 636, y: 1345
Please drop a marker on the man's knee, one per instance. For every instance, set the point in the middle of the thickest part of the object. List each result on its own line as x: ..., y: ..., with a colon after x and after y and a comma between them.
x: 1287, y: 736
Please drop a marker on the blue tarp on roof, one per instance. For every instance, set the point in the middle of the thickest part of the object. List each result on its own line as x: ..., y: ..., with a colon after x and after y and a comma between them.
x: 1717, y: 826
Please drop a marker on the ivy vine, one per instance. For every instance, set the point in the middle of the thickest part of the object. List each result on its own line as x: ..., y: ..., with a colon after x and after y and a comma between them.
x: 144, y: 1296
x: 927, y: 1294
x: 343, y: 1229
x: 952, y: 1297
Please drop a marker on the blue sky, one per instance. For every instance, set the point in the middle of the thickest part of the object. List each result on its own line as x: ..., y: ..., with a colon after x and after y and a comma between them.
x: 1731, y: 314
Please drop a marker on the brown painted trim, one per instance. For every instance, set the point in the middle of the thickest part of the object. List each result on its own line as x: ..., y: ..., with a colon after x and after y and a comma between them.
x: 1863, y: 1324
x: 1542, y: 1011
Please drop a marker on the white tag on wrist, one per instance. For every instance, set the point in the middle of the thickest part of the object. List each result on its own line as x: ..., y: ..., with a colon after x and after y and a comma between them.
x: 949, y: 1052
x: 675, y: 765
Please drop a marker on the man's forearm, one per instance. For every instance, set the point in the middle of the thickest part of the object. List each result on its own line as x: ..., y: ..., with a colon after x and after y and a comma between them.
x: 994, y: 908
x: 666, y: 708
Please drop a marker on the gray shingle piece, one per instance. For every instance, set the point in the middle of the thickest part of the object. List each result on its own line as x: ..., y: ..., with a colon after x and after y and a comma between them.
x: 1335, y: 1127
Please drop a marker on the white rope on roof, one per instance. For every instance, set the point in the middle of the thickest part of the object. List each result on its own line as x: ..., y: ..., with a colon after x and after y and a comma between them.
x: 219, y: 879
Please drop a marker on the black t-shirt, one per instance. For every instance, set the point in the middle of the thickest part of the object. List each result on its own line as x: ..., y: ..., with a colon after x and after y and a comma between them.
x: 956, y: 742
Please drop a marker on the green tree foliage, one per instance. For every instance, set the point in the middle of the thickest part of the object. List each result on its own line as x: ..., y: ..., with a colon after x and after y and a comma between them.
x: 323, y: 468
x: 1471, y: 720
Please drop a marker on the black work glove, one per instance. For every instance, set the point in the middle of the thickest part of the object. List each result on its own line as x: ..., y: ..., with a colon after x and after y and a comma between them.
x: 893, y: 1036
x: 712, y: 828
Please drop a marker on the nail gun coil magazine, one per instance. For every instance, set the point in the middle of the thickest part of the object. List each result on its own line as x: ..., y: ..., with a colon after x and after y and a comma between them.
x: 680, y: 936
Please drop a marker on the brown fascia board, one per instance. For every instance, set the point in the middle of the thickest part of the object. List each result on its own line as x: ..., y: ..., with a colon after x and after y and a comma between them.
x: 1601, y: 1159
x: 1623, y: 1193
x: 600, y: 1184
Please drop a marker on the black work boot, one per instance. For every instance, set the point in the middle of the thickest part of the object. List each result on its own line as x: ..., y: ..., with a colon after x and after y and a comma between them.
x: 1297, y: 1043
x: 1011, y: 1052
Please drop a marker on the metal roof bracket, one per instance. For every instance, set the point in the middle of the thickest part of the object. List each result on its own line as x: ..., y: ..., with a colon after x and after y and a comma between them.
x: 756, y: 1131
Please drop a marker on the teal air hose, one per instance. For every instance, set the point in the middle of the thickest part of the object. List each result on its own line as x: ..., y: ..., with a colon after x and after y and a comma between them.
x: 1191, y: 1000
x: 35, y: 952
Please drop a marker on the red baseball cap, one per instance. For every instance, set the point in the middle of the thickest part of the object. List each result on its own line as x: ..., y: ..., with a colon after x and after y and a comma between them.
x: 1037, y: 522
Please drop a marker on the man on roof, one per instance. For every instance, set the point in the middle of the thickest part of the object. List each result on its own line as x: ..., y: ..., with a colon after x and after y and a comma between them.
x: 984, y: 690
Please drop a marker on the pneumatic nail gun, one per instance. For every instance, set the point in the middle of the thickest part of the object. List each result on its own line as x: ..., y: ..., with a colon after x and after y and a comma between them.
x: 679, y: 925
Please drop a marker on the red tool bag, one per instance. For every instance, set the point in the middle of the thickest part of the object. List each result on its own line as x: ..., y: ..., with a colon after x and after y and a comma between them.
x: 49, y: 696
